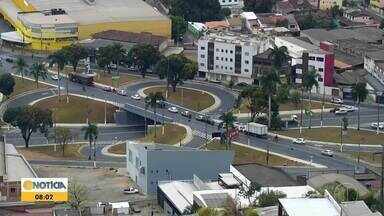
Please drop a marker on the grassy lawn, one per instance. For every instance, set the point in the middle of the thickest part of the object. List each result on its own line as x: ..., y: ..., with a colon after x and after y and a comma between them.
x: 106, y: 78
x: 369, y: 157
x: 25, y: 85
x: 172, y: 134
x: 192, y: 99
x: 331, y: 134
x: 49, y: 153
x: 77, y: 110
x: 290, y: 106
x: 244, y: 155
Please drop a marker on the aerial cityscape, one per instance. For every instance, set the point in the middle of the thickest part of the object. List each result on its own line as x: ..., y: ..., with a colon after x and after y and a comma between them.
x: 192, y: 107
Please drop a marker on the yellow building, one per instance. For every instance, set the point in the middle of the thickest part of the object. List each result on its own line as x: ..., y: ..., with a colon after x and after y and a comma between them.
x: 328, y: 4
x: 52, y: 24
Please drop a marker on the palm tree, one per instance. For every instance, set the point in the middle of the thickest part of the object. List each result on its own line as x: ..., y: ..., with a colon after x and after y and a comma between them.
x: 38, y: 70
x: 119, y: 53
x: 309, y: 81
x: 152, y: 100
x: 278, y: 55
x: 58, y: 58
x: 228, y: 120
x: 359, y: 94
x: 255, y: 100
x: 20, y: 66
x: 269, y: 81
x: 91, y: 133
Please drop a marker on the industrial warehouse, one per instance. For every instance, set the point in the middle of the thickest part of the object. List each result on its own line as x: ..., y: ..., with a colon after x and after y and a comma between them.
x: 51, y: 24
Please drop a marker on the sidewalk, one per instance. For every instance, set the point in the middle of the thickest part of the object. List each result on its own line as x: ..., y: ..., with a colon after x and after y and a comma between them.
x: 290, y: 112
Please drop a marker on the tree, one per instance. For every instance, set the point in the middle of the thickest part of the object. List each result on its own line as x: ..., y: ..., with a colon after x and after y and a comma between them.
x: 153, y: 100
x: 74, y: 53
x: 143, y: 56
x: 228, y: 121
x: 7, y: 84
x: 269, y: 81
x: 58, y: 58
x: 257, y: 6
x: 359, y: 94
x: 310, y: 81
x: 20, y: 66
x: 250, y: 212
x: 29, y: 120
x: 208, y: 212
x: 226, y: 12
x: 197, y: 10
x: 90, y: 133
x: 255, y: 99
x: 176, y: 69
x: 295, y: 98
x: 63, y: 136
x: 77, y: 196
x: 119, y: 54
x: 270, y: 198
x: 38, y: 70
x: 249, y: 192
x: 104, y: 57
x: 279, y: 56
x: 179, y: 27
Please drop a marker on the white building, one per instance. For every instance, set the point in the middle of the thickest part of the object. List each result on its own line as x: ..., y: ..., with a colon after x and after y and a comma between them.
x: 374, y: 64
x: 224, y: 56
x: 319, y: 58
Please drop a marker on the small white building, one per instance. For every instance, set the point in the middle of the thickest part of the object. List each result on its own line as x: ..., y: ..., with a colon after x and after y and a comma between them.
x: 224, y: 56
x: 229, y: 3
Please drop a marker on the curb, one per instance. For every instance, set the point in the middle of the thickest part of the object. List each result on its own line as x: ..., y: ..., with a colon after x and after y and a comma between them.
x: 105, y: 151
x: 189, y: 135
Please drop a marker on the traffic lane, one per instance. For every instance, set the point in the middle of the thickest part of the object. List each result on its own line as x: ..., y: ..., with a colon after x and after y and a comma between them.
x: 302, y: 152
x: 29, y: 98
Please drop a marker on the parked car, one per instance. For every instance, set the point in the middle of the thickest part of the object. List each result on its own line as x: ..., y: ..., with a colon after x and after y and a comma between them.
x: 299, y: 141
x: 374, y: 125
x: 186, y: 113
x: 136, y: 97
x: 327, y: 152
x: 130, y: 190
x: 122, y: 92
x: 337, y: 100
x: 173, y: 110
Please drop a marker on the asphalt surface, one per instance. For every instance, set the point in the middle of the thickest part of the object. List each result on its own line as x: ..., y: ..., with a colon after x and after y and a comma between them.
x: 202, y: 130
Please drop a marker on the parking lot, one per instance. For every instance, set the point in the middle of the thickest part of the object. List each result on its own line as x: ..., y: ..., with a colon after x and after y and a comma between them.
x: 104, y: 185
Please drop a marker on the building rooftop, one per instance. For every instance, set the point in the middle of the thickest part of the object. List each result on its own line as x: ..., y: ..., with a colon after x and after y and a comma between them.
x: 40, y: 18
x: 376, y: 55
x: 235, y: 38
x: 217, y: 24
x: 303, y: 44
x: 101, y: 11
x: 131, y: 37
x: 309, y: 206
x: 249, y: 15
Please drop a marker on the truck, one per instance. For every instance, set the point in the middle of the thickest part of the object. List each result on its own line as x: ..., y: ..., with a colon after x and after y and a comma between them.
x: 82, y: 78
x: 257, y: 129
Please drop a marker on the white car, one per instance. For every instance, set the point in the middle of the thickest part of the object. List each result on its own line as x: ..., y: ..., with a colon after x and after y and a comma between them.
x: 240, y: 126
x: 136, y: 97
x: 299, y: 141
x: 349, y: 108
x: 130, y: 190
x: 327, y: 153
x: 55, y: 77
x: 122, y: 92
x: 173, y: 110
x: 337, y: 100
x: 341, y: 111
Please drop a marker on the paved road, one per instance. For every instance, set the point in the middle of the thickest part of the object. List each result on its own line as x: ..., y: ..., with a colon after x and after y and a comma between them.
x: 202, y: 130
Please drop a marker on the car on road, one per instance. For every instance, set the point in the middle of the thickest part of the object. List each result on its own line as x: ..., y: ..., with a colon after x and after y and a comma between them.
x: 240, y: 126
x: 173, y: 109
x: 55, y: 77
x: 299, y: 141
x: 130, y: 190
x: 109, y: 89
x: 136, y: 97
x: 200, y: 118
x: 122, y: 92
x: 337, y: 100
x: 341, y: 111
x: 327, y: 152
x: 205, y: 119
x: 349, y: 108
x: 186, y: 113
x: 374, y: 125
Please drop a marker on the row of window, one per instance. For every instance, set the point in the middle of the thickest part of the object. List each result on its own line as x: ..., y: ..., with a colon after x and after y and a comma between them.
x: 226, y: 59
x: 319, y: 59
x: 225, y: 50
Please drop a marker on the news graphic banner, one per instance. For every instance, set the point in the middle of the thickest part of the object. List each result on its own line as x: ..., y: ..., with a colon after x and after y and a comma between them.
x: 44, y: 189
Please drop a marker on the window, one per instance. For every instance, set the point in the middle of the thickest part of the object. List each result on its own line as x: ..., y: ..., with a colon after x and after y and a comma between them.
x: 246, y: 70
x: 320, y: 79
x: 226, y: 51
x: 222, y: 50
x: 226, y: 68
x: 202, y: 56
x: 246, y: 53
x: 222, y: 59
x: 217, y: 66
x: 246, y: 62
x: 311, y: 58
x: 226, y: 59
x: 217, y: 50
x: 202, y: 64
x: 202, y: 48
x: 231, y: 68
x: 137, y: 162
x: 320, y: 59
x: 13, y: 190
x: 231, y: 51
x: 217, y: 58
x: 321, y: 69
